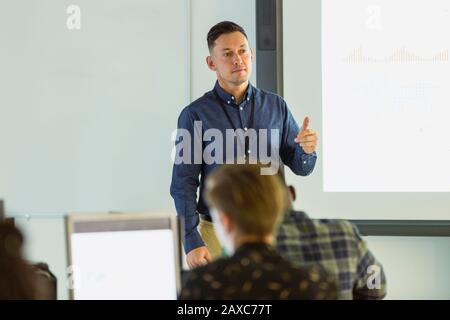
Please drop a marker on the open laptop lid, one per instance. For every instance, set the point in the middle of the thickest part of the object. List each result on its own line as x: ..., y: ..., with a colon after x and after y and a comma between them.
x: 123, y: 256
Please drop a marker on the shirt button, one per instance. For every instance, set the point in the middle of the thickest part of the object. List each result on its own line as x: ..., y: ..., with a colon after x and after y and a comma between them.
x: 232, y: 98
x: 245, y: 128
x: 248, y: 99
x: 304, y: 162
x: 241, y: 108
x: 249, y: 151
x: 228, y: 101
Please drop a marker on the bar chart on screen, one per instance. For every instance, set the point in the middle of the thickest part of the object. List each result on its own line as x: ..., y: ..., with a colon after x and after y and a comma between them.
x: 386, y: 77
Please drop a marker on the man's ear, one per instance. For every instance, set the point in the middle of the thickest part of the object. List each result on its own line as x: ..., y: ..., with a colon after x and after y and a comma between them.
x: 251, y: 54
x: 210, y: 63
x: 292, y: 193
x: 226, y: 221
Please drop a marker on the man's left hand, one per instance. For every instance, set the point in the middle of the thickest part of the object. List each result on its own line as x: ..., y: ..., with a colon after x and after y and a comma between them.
x: 307, y: 138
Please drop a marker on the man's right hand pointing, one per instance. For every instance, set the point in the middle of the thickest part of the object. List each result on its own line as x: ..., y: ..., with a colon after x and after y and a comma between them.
x: 307, y: 138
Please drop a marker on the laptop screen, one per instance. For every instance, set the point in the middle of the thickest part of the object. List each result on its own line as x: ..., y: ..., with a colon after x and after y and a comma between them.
x: 123, y: 257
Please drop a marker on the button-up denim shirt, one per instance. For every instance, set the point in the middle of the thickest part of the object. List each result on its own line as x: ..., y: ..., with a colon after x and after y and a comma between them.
x: 271, y: 114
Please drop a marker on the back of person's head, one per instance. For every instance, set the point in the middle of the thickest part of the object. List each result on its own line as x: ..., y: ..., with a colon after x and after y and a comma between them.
x: 16, y: 276
x: 252, y: 200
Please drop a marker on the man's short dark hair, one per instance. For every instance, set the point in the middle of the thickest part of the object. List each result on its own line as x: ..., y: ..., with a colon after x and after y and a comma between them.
x: 223, y: 27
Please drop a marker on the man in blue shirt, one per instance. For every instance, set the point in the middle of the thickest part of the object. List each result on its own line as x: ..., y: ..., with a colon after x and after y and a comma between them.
x: 204, y: 127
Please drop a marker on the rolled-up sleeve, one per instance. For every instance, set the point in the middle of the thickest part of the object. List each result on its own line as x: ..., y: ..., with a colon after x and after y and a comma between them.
x: 185, y: 181
x: 291, y: 153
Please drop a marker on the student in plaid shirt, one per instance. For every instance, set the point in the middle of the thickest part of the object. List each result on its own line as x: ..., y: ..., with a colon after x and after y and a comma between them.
x: 338, y: 247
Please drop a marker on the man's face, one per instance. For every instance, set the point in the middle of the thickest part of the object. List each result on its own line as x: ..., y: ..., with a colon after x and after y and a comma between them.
x: 231, y: 58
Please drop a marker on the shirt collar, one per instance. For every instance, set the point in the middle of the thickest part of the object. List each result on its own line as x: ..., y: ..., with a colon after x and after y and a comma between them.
x: 228, y: 98
x: 254, y: 246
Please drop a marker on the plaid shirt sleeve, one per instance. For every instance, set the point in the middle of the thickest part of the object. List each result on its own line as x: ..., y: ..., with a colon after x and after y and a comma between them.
x: 371, y: 280
x: 336, y: 245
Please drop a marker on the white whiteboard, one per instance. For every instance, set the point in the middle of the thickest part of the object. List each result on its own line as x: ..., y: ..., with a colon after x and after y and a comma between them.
x: 86, y: 115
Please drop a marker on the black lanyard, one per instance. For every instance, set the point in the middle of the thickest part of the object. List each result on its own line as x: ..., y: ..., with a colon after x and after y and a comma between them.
x: 250, y: 122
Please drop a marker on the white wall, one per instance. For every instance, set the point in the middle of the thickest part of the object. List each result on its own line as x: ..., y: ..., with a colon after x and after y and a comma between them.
x: 416, y: 267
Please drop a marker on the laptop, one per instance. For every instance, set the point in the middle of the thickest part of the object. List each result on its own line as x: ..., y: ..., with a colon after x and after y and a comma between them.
x: 123, y: 256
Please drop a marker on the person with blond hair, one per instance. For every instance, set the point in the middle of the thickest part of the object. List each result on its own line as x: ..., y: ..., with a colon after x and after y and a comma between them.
x: 246, y: 208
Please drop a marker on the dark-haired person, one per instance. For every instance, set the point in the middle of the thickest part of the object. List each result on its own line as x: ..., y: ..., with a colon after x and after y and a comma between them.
x: 246, y: 207
x: 337, y: 246
x: 233, y: 104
